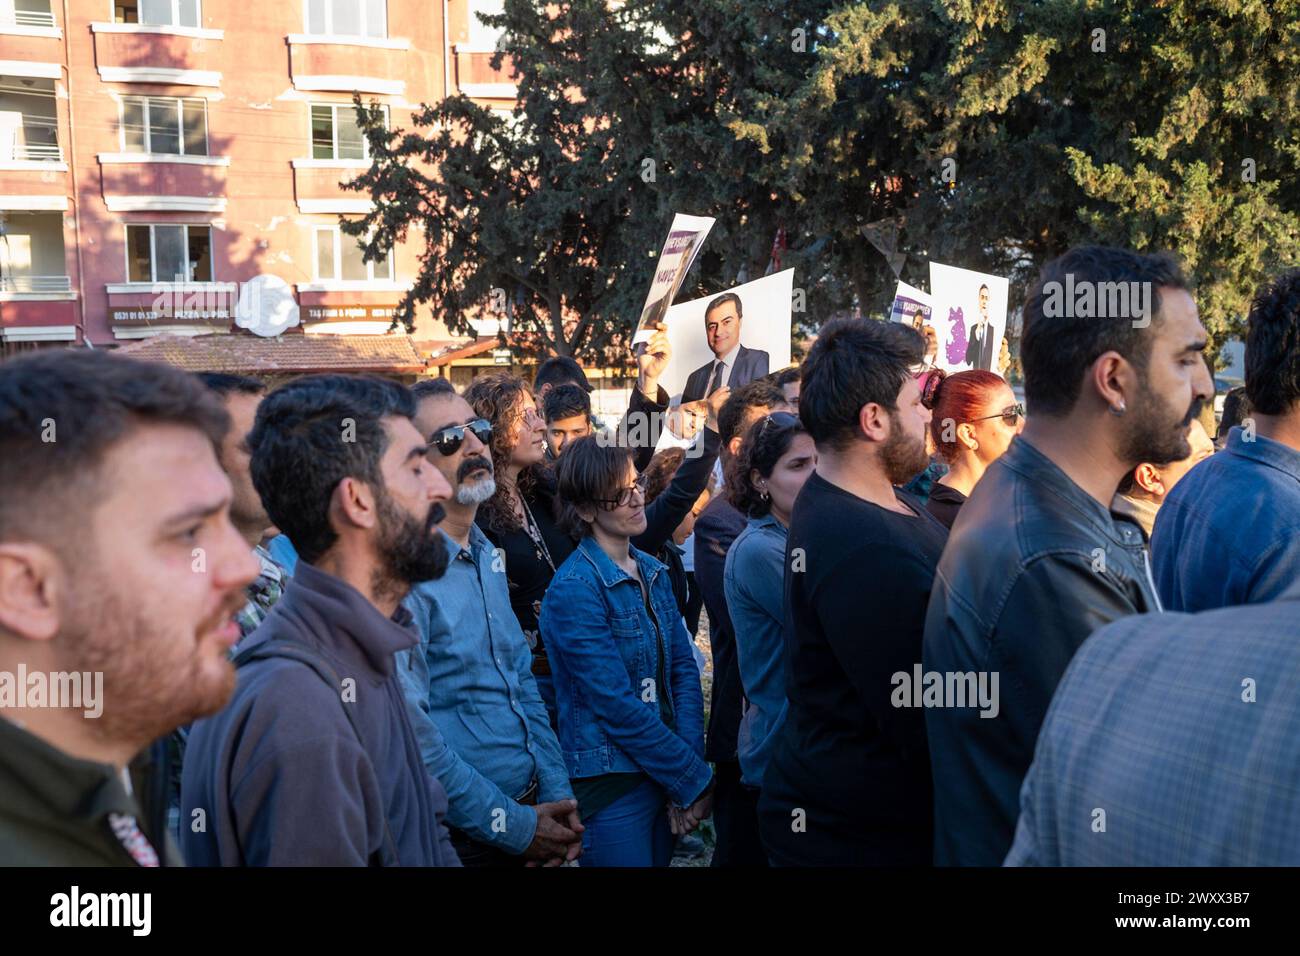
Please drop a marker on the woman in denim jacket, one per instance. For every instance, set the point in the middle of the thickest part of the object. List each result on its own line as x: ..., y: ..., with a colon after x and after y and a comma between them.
x: 630, y: 707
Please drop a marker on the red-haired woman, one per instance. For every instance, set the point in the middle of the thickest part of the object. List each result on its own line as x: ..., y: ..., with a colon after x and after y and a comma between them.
x: 975, y: 416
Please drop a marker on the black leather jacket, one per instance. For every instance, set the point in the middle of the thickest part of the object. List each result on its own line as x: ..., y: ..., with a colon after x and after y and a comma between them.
x: 1033, y: 566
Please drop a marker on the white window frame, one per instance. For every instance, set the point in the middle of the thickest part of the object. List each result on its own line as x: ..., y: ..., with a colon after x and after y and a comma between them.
x: 480, y: 33
x: 338, y: 234
x: 176, y: 14
x: 329, y: 25
x: 335, y: 107
x: 148, y: 126
x: 153, y: 253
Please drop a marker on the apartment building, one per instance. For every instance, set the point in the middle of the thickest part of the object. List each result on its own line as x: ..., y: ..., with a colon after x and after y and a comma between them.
x: 173, y: 167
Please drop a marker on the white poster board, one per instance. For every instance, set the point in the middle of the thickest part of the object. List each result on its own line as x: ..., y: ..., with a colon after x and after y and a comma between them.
x: 969, y: 316
x: 754, y: 319
x: 685, y: 237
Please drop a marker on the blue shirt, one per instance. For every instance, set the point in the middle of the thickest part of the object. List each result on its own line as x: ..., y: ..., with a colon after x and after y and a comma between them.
x: 480, y: 722
x: 1229, y: 532
x: 754, y: 581
x: 283, y: 552
x: 1173, y: 740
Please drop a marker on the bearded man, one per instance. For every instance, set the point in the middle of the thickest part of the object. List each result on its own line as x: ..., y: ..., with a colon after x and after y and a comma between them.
x: 315, y: 761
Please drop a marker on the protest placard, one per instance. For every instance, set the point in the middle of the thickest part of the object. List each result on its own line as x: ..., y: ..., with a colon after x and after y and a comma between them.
x: 685, y: 237
x: 969, y: 316
x: 913, y: 306
x: 746, y: 329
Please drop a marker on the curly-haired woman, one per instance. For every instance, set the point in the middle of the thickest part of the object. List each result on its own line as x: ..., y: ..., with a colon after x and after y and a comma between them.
x: 520, y: 518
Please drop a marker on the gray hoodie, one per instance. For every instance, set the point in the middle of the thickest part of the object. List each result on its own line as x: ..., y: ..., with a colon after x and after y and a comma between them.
x: 280, y: 775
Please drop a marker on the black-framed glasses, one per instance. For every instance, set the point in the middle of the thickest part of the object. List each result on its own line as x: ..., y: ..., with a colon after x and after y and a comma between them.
x: 448, y: 440
x: 1011, y: 414
x: 624, y: 495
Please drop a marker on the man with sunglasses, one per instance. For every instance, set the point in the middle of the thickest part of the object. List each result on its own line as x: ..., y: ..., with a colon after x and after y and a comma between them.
x: 481, y: 724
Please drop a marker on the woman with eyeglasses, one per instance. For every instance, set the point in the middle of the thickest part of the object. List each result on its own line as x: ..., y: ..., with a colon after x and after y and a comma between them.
x: 775, y: 460
x: 520, y: 518
x: 975, y: 417
x: 631, y: 710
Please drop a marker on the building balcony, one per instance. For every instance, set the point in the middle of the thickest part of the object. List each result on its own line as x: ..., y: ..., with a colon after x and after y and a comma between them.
x: 36, y: 285
x: 346, y: 64
x: 34, y: 22
x: 33, y: 257
x: 163, y: 182
x: 29, y: 124
x: 475, y: 76
x: 317, y: 186
x: 170, y: 55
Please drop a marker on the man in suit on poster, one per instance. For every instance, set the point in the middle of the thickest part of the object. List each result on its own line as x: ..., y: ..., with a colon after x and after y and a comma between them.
x: 979, y: 339
x: 733, y: 364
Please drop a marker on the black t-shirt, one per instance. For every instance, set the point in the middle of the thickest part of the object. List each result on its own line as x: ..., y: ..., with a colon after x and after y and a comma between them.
x: 857, y: 581
x: 528, y: 573
x: 944, y: 503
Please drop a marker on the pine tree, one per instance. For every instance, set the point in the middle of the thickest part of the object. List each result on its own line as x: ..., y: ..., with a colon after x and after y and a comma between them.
x: 990, y: 134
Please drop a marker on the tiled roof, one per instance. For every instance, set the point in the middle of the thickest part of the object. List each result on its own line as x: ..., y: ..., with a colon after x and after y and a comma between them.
x: 455, y: 351
x: 252, y: 354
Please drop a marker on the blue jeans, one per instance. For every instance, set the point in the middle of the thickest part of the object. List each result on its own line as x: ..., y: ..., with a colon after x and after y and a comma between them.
x: 631, y: 831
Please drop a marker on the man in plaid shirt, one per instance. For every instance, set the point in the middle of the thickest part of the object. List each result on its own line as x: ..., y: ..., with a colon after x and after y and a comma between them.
x: 1173, y: 740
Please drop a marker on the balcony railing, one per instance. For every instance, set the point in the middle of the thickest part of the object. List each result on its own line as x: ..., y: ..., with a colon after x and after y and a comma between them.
x: 29, y: 18
x: 32, y: 152
x: 35, y: 284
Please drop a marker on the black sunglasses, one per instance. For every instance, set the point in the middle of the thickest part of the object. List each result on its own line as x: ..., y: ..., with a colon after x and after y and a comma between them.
x: 780, y: 419
x: 1011, y: 414
x: 448, y: 440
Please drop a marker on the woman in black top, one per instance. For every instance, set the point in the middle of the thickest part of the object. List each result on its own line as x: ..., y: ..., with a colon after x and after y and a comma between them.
x: 520, y: 519
x: 975, y: 417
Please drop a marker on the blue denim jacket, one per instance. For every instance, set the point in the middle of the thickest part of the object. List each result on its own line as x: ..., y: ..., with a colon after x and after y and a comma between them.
x: 603, y: 651
x: 754, y: 581
x: 1229, y: 532
x: 480, y: 723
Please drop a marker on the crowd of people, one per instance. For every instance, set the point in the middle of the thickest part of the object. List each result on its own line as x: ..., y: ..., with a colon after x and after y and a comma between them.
x: 349, y: 622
